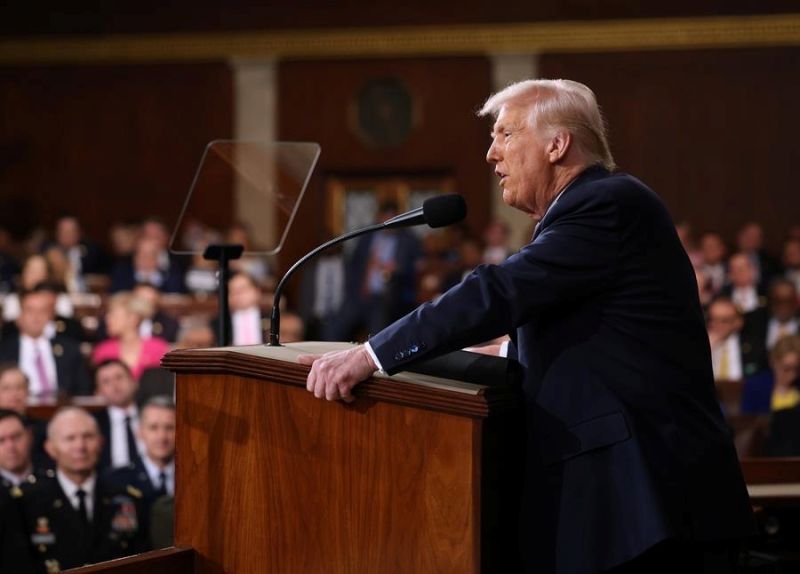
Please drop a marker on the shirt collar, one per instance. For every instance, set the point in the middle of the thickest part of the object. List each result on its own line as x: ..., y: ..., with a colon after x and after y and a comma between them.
x: 70, y: 488
x: 120, y: 413
x: 153, y: 471
x: 16, y: 479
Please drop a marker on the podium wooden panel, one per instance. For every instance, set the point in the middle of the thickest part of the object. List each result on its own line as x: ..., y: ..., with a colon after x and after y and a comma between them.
x: 271, y: 479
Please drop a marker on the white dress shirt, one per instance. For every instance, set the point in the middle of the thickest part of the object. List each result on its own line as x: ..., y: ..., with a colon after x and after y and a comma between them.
x: 15, y: 479
x: 776, y: 330
x: 119, y: 435
x: 154, y: 473
x: 745, y: 298
x: 731, y: 350
x: 70, y: 489
x: 27, y: 363
x: 246, y: 326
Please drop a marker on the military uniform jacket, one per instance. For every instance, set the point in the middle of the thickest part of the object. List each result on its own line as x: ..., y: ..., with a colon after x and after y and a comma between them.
x: 58, y: 537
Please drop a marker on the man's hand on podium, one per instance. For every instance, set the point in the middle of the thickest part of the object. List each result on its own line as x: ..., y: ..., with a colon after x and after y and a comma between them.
x: 334, y: 374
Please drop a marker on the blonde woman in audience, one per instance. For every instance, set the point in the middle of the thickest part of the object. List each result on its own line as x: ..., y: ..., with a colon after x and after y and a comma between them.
x: 35, y: 271
x: 125, y: 313
x: 775, y: 389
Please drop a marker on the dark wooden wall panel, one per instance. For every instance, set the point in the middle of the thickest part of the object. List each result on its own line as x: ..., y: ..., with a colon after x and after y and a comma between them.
x: 315, y: 98
x: 107, y: 142
x: 713, y: 132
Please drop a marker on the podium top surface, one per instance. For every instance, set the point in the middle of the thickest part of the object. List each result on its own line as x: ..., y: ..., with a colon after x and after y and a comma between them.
x: 264, y: 362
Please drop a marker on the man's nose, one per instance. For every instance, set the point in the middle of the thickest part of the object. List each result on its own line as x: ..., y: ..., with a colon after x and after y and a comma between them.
x: 493, y: 156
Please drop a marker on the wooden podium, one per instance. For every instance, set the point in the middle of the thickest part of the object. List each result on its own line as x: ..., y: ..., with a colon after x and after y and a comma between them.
x: 417, y: 475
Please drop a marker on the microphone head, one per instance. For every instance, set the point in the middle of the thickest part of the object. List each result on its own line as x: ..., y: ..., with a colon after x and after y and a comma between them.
x: 444, y: 210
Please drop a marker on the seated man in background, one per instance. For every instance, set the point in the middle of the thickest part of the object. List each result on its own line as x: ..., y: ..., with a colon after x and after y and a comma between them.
x: 713, y: 251
x: 776, y: 388
x: 14, y: 397
x: 54, y: 365
x: 779, y: 319
x: 84, y: 257
x: 743, y: 289
x: 247, y: 321
x: 791, y: 261
x: 145, y: 267
x: 154, y: 473
x: 16, y: 443
x: 75, y: 517
x: 66, y: 326
x: 750, y: 241
x: 119, y: 421
x: 732, y: 356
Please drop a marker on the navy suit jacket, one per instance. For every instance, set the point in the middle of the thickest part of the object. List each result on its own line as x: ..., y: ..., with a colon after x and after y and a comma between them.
x: 626, y: 442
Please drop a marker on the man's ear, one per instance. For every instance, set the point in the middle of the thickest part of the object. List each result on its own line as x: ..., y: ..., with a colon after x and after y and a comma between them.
x: 558, y: 146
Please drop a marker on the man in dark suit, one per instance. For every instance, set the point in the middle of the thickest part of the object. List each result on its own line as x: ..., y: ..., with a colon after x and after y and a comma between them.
x: 119, y: 421
x: 58, y: 325
x: 85, y: 258
x: 75, y: 517
x: 380, y: 280
x: 629, y: 464
x: 54, y: 366
x: 779, y: 318
x: 145, y: 266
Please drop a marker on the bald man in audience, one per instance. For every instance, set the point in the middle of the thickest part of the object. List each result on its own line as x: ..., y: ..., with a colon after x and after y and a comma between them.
x: 734, y: 356
x: 75, y: 517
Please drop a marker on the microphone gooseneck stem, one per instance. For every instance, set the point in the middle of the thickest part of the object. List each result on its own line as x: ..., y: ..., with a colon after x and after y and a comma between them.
x: 275, y: 318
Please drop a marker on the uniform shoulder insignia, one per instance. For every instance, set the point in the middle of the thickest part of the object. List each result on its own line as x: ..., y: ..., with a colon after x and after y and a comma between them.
x: 31, y: 479
x: 16, y: 492
x: 50, y: 473
x: 133, y: 491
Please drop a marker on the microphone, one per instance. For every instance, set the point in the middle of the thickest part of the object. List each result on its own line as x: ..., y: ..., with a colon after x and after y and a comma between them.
x: 438, y: 211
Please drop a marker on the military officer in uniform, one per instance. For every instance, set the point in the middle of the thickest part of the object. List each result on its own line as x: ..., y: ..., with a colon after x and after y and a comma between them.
x: 154, y: 473
x: 75, y: 517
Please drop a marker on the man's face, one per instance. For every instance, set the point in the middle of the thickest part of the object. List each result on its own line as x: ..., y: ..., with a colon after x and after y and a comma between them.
x: 723, y: 319
x: 521, y: 162
x: 116, y: 385
x: 750, y: 237
x: 146, y: 257
x: 242, y: 294
x: 68, y: 232
x: 783, y: 302
x: 713, y: 248
x: 791, y: 254
x: 156, y: 232
x: 74, y: 442
x: 37, y: 310
x: 15, y: 446
x: 741, y: 272
x: 13, y: 391
x: 157, y: 431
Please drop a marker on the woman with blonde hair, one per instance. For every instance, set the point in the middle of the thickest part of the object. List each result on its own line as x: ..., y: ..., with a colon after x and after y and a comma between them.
x: 125, y: 313
x: 775, y: 389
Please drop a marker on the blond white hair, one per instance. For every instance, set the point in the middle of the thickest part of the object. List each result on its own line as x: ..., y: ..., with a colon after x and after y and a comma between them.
x: 560, y: 105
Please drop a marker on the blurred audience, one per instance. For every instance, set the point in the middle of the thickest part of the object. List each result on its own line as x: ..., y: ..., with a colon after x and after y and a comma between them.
x: 791, y: 261
x: 713, y: 252
x: 322, y: 293
x: 147, y: 266
x: 81, y: 255
x: 776, y: 388
x: 292, y: 328
x: 35, y: 271
x: 743, y: 288
x: 248, y: 323
x: 254, y: 265
x: 779, y: 318
x: 732, y: 357
x: 16, y: 445
x: 750, y: 241
x: 119, y: 421
x: 686, y: 236
x: 14, y: 397
x: 153, y: 475
x: 123, y: 319
x: 74, y: 516
x: 52, y: 362
x: 496, y: 238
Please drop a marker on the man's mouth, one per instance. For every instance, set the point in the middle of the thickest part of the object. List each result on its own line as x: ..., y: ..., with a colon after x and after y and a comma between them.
x: 502, y: 176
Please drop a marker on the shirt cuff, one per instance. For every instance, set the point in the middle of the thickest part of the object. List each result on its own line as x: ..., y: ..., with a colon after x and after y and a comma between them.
x: 372, y: 354
x: 503, y: 349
